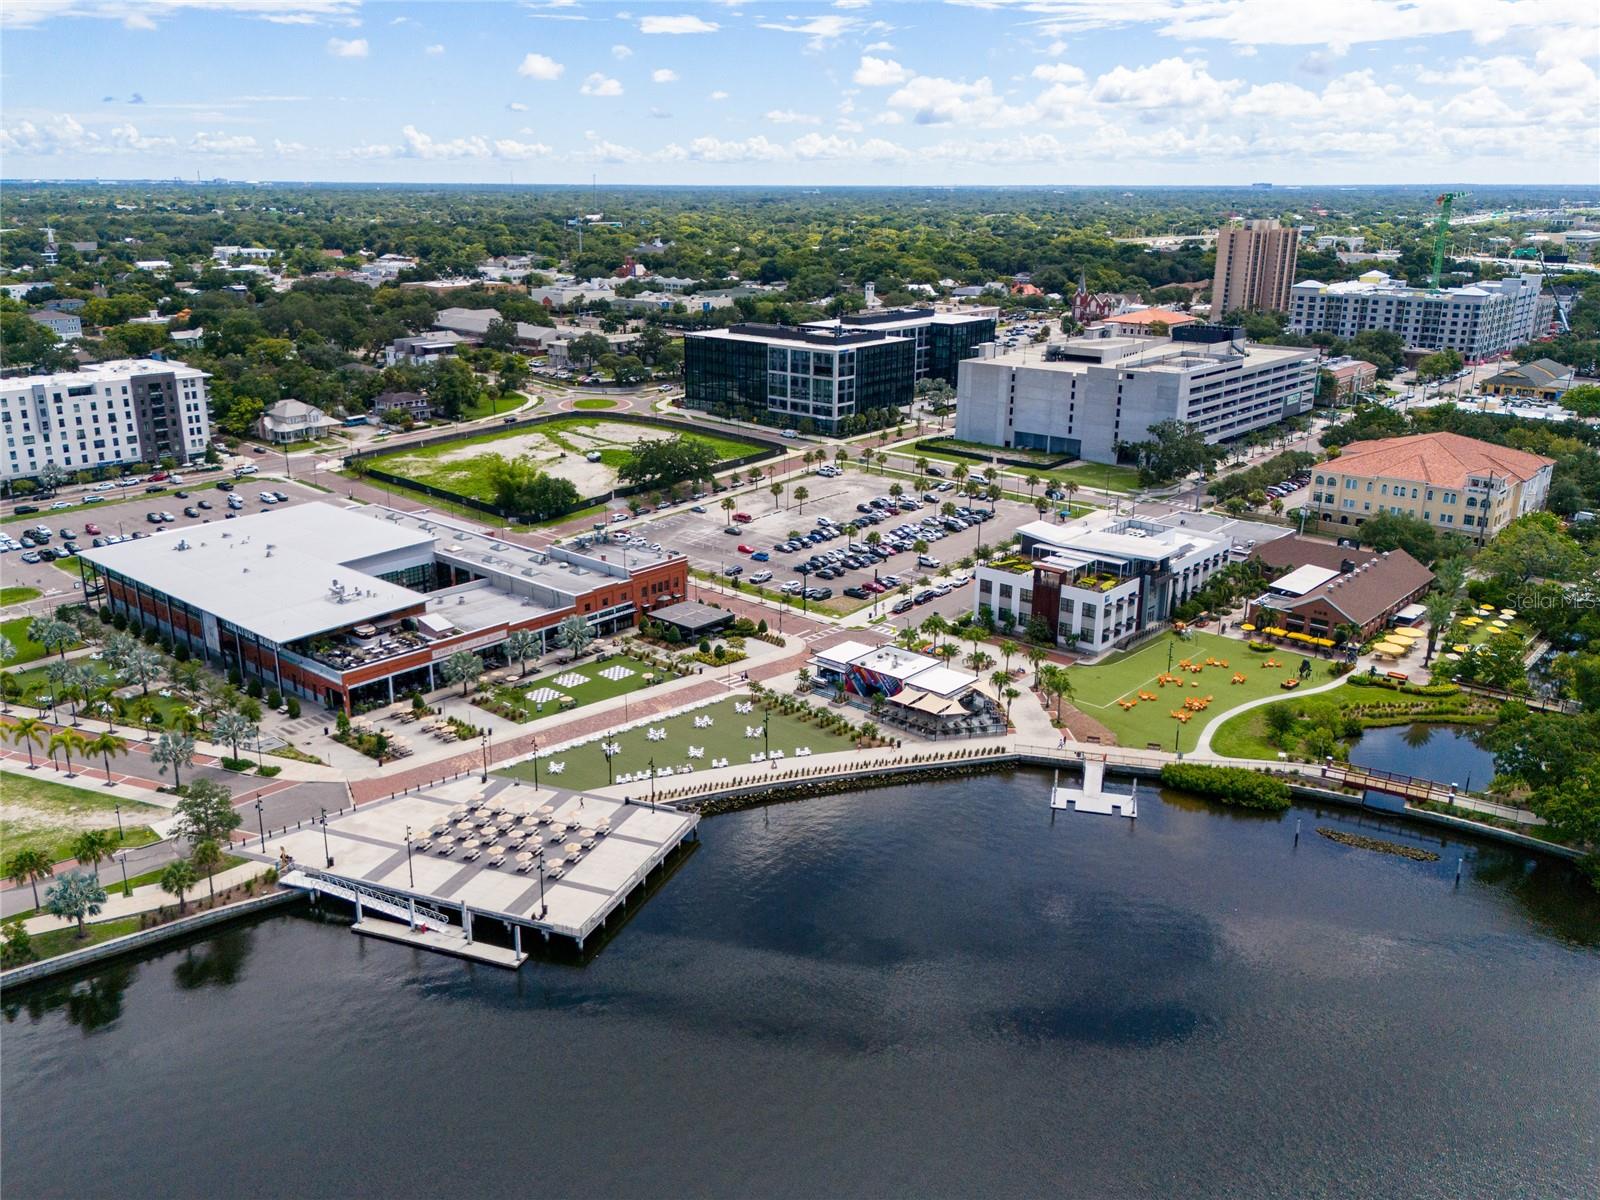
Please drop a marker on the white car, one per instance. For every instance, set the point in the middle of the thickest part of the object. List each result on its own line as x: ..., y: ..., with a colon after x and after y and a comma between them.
x: 761, y: 577
x: 792, y: 588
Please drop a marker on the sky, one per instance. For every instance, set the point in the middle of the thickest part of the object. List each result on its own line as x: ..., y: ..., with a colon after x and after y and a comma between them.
x: 1132, y: 92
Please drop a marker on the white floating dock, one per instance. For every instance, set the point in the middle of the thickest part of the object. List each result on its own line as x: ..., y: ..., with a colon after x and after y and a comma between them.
x: 445, y: 941
x: 1092, y: 797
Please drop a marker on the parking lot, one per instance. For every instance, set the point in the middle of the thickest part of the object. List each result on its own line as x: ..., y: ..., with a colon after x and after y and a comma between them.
x: 120, y: 515
x: 703, y: 538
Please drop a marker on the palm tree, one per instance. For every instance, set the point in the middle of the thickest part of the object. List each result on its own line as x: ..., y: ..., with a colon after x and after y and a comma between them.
x: 728, y: 505
x: 29, y: 732
x: 841, y: 457
x: 106, y: 745
x: 231, y: 728
x: 59, y: 676
x: 1007, y: 648
x: 979, y: 662
x: 55, y: 636
x: 86, y: 682
x: 177, y: 879
x: 142, y: 666
x: 801, y: 495
x: 1034, y: 654
x: 206, y: 857
x: 776, y: 490
x: 76, y: 897
x: 175, y: 750
x: 92, y: 845
x: 521, y: 644
x: 67, y: 741
x: 1032, y: 481
x: 909, y: 637
x: 935, y: 626
x: 1439, y: 609
x: 29, y: 866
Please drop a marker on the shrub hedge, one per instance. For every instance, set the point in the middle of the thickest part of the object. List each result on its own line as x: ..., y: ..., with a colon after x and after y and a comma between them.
x: 1228, y: 785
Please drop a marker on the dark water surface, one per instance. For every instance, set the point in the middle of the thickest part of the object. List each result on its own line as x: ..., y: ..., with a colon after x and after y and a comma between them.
x: 919, y: 991
x: 1442, y: 753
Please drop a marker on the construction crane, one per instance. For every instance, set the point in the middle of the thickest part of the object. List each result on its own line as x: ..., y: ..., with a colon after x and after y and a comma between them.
x: 1441, y: 234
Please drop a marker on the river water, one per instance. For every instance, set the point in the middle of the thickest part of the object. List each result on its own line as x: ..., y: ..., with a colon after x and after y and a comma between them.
x: 921, y: 991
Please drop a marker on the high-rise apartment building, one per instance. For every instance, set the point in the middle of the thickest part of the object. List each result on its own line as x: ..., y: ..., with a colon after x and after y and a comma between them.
x: 127, y: 411
x: 1255, y: 267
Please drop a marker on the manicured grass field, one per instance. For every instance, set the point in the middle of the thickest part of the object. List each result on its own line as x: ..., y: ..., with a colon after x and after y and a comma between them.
x: 16, y: 632
x: 38, y: 814
x: 597, y: 687
x: 17, y: 595
x: 594, y: 402
x: 725, y: 738
x: 1098, y: 688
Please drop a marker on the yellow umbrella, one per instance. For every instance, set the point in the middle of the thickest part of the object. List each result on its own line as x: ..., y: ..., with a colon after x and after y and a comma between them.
x: 1247, y: 627
x: 1410, y: 634
x: 1498, y: 625
x: 1486, y: 608
x: 1508, y: 612
x: 1461, y: 647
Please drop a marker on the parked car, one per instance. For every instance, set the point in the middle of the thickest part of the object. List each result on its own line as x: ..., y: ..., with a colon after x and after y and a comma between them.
x: 761, y: 556
x: 742, y: 518
x: 732, y: 529
x: 819, y: 593
x: 732, y: 569
x: 91, y: 529
x: 761, y: 577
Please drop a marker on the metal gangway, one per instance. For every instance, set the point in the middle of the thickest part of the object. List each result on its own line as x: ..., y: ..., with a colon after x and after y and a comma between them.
x: 363, y: 895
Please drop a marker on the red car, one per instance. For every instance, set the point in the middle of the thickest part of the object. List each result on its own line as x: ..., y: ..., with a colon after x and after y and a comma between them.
x: 91, y: 529
x: 743, y: 549
x: 743, y: 518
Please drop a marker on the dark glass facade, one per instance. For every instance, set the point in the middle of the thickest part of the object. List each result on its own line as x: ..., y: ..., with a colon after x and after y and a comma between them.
x: 949, y: 343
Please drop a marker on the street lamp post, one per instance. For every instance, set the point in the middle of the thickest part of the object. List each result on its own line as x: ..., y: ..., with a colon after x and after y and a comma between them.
x: 536, y: 765
x: 411, y: 875
x: 484, y: 777
x: 261, y: 823
x: 127, y: 888
x: 652, y: 782
x: 766, y: 738
x: 542, y: 909
x: 120, y: 836
x: 326, y: 853
x: 606, y: 749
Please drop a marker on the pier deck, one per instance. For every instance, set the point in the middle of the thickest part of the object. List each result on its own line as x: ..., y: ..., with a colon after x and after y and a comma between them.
x: 369, y: 851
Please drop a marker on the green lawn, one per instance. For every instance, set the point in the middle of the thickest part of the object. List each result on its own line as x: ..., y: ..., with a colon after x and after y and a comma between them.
x: 35, y: 682
x: 16, y: 632
x: 64, y: 941
x: 38, y: 814
x: 598, y: 687
x: 586, y: 764
x: 17, y: 595
x: 594, y: 402
x: 1098, y: 688
x: 1111, y: 477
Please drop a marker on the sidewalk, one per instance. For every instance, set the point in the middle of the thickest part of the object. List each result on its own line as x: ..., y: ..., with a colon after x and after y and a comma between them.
x: 144, y: 899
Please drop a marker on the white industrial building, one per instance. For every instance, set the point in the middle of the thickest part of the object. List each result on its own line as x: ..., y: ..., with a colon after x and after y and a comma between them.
x: 1085, y: 396
x: 126, y: 411
x: 1478, y: 321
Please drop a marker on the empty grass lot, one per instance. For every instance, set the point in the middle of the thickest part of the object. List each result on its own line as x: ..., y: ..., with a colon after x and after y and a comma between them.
x: 17, y: 595
x: 1150, y: 722
x: 37, y: 814
x: 725, y: 738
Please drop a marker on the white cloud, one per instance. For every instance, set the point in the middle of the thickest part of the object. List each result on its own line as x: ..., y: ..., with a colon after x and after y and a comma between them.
x: 663, y: 75
x: 422, y: 145
x: 1172, y: 81
x: 822, y: 31
x: 786, y: 116
x: 287, y: 149
x: 717, y: 96
x: 621, y: 52
x: 879, y: 47
x: 931, y: 100
x: 1059, y: 73
x: 65, y: 134
x: 435, y: 49
x: 354, y: 48
x: 599, y: 85
x: 138, y: 21
x: 507, y: 148
x: 517, y: 106
x: 852, y: 3
x: 538, y: 66
x: 223, y: 145
x: 880, y: 72
x: 677, y: 25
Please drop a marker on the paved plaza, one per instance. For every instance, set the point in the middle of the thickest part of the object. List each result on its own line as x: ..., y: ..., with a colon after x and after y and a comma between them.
x: 605, y: 848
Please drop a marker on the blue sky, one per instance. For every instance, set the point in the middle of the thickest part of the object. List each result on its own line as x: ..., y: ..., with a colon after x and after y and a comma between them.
x: 853, y: 91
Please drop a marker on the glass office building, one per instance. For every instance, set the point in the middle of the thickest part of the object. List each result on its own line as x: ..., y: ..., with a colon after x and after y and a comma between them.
x: 794, y: 375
